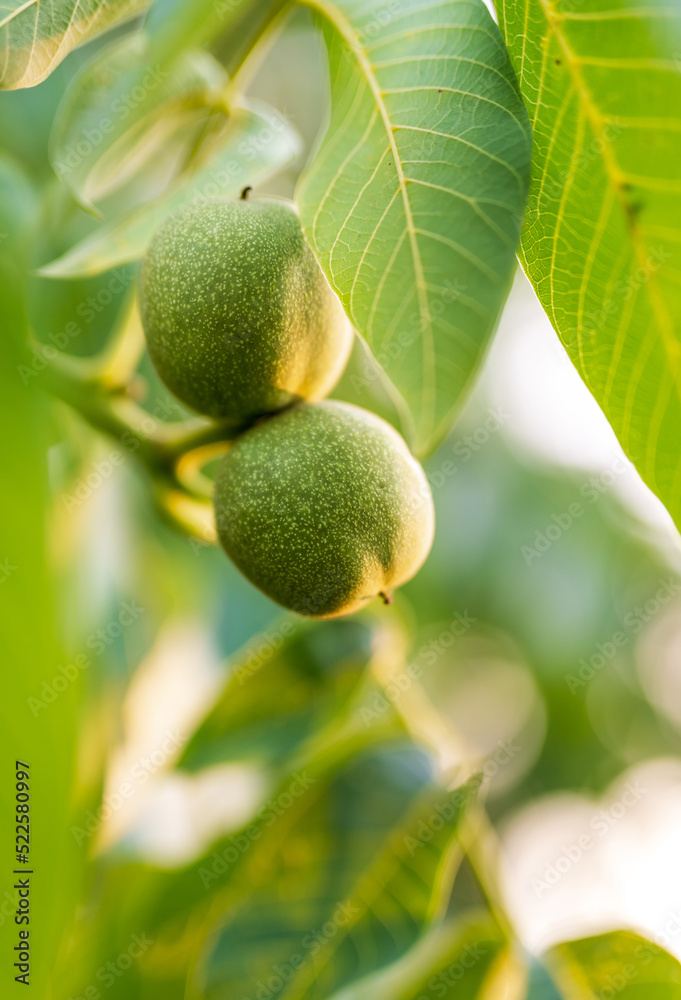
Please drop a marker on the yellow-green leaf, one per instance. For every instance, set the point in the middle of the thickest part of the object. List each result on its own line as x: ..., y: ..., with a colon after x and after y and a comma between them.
x: 602, y: 240
x: 619, y: 964
x: 35, y: 35
x: 414, y: 201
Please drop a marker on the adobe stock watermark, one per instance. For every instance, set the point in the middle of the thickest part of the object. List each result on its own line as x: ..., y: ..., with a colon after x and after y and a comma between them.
x: 249, y: 149
x: 427, y: 655
x: 376, y: 364
x: 204, y: 537
x: 103, y: 469
x: 87, y: 311
x: 262, y: 650
x: 466, y: 447
x: 224, y: 7
x: 119, y: 109
x: 111, y: 971
x: 97, y: 641
x: 139, y: 774
x: 9, y: 905
x: 221, y: 860
x: 670, y: 930
x: 592, y: 490
x: 312, y: 943
x: 614, y: 982
x: 625, y: 288
x: 445, y: 811
x: 446, y: 979
x: 633, y: 622
x: 600, y: 824
x: 552, y: 188
x: 627, y: 973
x: 86, y: 485
x: 381, y: 19
x: 7, y: 569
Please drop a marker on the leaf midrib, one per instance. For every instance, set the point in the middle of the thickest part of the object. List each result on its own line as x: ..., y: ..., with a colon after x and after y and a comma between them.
x: 613, y: 172
x: 58, y: 39
x: 352, y: 42
x: 15, y: 13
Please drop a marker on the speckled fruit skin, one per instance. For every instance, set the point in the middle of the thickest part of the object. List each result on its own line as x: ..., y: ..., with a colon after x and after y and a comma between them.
x: 239, y: 319
x: 323, y: 507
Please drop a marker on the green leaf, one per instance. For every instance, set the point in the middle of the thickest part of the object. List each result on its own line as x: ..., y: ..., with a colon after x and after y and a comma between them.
x: 321, y: 824
x: 17, y: 209
x: 256, y: 142
x: 35, y: 35
x: 120, y: 110
x: 282, y: 689
x: 171, y: 24
x: 602, y: 238
x: 234, y: 24
x: 413, y: 202
x: 466, y: 959
x: 365, y: 870
x: 620, y: 964
x: 39, y: 722
x: 540, y: 985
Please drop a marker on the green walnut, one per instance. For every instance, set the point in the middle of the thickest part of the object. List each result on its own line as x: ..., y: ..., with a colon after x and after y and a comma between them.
x: 323, y: 508
x: 238, y: 317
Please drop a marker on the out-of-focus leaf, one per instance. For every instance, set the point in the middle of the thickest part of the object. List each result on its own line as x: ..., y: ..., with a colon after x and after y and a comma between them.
x: 620, y: 963
x: 120, y: 109
x: 232, y: 24
x: 540, y: 985
x: 414, y: 201
x: 154, y: 92
x: 584, y: 587
x: 172, y: 24
x: 466, y: 959
x: 283, y: 687
x: 35, y: 35
x: 327, y: 819
x: 350, y: 888
x: 256, y: 142
x: 17, y: 208
x: 39, y: 718
x: 603, y: 230
x: 362, y: 832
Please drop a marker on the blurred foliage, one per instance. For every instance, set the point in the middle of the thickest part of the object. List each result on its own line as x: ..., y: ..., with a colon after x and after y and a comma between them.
x: 40, y: 723
x: 320, y: 824
x: 623, y: 963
